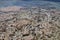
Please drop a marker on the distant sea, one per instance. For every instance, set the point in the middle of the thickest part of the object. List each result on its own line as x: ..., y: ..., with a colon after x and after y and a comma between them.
x: 43, y: 4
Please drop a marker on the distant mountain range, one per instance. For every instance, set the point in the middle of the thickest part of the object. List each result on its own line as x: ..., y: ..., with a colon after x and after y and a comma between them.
x: 29, y: 3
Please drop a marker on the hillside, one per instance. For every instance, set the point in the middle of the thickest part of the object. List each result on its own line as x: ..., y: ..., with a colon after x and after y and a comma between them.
x: 35, y: 23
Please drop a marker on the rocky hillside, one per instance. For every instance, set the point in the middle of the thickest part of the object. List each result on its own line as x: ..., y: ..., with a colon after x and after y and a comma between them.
x: 21, y: 23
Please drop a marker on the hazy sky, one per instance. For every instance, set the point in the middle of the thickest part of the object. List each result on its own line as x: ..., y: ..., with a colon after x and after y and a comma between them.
x: 39, y: 0
x: 32, y: 0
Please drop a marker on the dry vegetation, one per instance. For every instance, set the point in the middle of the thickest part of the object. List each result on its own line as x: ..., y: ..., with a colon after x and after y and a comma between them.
x: 20, y: 23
